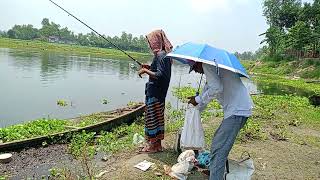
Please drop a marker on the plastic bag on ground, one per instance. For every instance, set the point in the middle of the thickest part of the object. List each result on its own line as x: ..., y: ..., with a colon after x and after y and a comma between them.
x: 185, y: 164
x: 192, y: 135
x: 204, y: 159
x: 137, y: 139
x: 242, y: 170
x: 180, y: 170
x: 186, y: 156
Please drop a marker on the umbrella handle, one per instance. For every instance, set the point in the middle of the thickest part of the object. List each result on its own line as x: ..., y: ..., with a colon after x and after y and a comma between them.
x: 217, y: 66
x: 197, y: 93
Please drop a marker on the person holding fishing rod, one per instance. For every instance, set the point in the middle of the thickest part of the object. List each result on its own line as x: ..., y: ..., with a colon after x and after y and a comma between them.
x: 159, y: 73
x: 156, y: 88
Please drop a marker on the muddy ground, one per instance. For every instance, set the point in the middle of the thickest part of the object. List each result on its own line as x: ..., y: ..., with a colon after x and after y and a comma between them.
x: 273, y: 159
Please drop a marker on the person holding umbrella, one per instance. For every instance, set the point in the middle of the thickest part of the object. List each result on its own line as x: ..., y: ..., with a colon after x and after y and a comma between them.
x: 223, y: 72
x: 156, y: 90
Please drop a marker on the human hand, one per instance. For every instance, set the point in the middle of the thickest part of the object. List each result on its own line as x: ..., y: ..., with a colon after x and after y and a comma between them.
x: 141, y: 72
x: 145, y: 66
x: 192, y: 100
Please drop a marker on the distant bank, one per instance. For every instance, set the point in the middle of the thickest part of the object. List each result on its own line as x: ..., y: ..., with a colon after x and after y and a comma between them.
x: 76, y: 49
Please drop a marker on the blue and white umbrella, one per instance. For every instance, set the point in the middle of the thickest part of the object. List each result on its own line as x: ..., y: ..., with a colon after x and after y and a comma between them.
x: 210, y: 55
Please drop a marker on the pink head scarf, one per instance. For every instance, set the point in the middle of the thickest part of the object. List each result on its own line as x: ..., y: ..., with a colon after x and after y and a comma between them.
x: 158, y: 41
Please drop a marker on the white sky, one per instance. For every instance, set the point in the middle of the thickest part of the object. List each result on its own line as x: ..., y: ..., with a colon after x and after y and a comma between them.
x: 230, y: 24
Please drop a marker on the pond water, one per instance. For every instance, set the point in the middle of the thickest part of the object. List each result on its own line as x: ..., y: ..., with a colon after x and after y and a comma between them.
x: 31, y: 83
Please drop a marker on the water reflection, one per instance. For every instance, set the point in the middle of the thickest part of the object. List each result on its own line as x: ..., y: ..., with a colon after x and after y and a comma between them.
x: 32, y: 82
x: 278, y: 89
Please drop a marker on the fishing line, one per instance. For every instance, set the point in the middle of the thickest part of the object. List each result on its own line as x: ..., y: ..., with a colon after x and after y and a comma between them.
x: 96, y: 33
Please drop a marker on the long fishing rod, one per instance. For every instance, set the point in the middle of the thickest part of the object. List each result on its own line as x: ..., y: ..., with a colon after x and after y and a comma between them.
x: 96, y: 32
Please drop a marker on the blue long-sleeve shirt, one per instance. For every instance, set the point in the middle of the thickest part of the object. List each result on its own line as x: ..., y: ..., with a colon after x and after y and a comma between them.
x: 158, y: 87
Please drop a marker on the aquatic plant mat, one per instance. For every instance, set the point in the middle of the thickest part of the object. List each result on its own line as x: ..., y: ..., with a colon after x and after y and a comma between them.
x: 44, y: 131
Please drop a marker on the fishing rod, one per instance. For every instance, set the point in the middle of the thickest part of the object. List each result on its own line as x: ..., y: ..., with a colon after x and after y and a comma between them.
x: 97, y: 33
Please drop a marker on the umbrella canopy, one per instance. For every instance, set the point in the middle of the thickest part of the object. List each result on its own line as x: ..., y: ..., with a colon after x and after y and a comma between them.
x: 210, y: 55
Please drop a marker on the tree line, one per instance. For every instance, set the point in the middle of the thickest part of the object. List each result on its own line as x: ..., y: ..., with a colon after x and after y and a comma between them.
x: 294, y: 28
x: 249, y: 55
x: 52, y: 32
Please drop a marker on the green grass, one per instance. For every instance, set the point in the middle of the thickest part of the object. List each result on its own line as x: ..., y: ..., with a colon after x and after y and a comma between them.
x: 273, y: 115
x: 276, y: 114
x: 73, y: 49
x: 82, y: 142
x: 3, y: 177
x: 39, y: 127
x: 119, y: 138
x: 311, y: 88
x: 184, y: 92
x: 306, y: 68
x: 89, y: 119
x: 43, y: 127
x: 272, y: 118
x: 62, y: 102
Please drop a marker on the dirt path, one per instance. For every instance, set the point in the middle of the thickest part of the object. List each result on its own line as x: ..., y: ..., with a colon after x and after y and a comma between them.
x: 35, y: 163
x: 273, y: 160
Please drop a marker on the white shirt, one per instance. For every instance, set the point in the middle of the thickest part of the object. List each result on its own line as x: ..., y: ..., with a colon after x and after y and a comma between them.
x: 228, y: 89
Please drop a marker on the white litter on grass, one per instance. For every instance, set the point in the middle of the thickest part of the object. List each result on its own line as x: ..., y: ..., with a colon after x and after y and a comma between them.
x: 101, y: 174
x: 144, y: 165
x: 137, y: 139
x: 184, y: 166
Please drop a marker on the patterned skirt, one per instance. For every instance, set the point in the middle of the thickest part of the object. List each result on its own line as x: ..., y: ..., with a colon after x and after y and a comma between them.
x: 154, y: 120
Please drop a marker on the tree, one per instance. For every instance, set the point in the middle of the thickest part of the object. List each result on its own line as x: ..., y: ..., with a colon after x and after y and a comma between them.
x: 25, y: 32
x: 271, y: 10
x: 300, y: 36
x: 11, y: 34
x: 293, y: 27
x: 64, y: 35
x: 49, y: 29
x: 82, y: 39
x: 45, y: 22
x: 275, y: 38
x: 3, y: 34
x: 261, y: 53
x: 289, y: 14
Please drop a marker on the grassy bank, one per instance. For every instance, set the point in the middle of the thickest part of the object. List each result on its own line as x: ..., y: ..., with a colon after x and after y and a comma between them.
x: 297, y: 84
x: 306, y: 68
x: 284, y: 111
x: 73, y: 49
x: 276, y: 121
x: 273, y: 116
x: 43, y: 127
x: 292, y: 77
x: 279, y: 124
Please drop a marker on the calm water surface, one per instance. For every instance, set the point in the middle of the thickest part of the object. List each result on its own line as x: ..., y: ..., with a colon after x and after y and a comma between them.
x: 32, y: 82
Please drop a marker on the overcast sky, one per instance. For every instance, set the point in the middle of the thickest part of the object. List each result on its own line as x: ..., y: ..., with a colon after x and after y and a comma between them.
x: 230, y: 24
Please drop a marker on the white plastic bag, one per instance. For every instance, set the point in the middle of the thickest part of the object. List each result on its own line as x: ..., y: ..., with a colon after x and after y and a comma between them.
x: 242, y: 170
x: 180, y: 170
x: 192, y: 135
x: 137, y: 139
x: 184, y: 166
x: 187, y: 155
